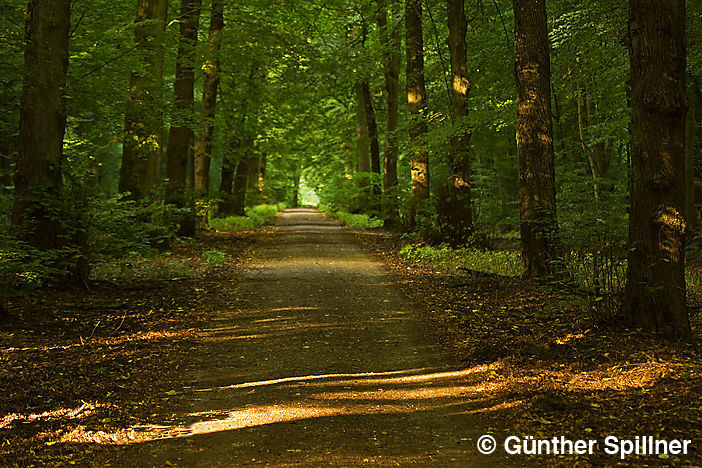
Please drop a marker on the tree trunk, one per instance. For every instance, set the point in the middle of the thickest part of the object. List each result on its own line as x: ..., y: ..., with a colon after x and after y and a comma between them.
x: 691, y: 135
x: 247, y: 162
x: 417, y: 101
x: 537, y: 188
x: 181, y: 136
x: 461, y: 213
x: 392, y: 61
x: 252, y: 182
x: 362, y: 132
x: 203, y: 147
x: 262, y: 173
x: 372, y: 133
x: 655, y: 293
x: 363, y: 162
x: 140, y: 173
x: 42, y: 122
x: 226, y: 206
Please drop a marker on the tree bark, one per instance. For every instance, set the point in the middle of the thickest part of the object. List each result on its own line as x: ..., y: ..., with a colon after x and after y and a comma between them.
x: 537, y: 188
x: 362, y: 132
x: 181, y: 135
x: 226, y: 206
x: 372, y: 133
x: 38, y: 176
x: 203, y: 147
x: 248, y: 162
x: 363, y: 148
x: 140, y: 173
x: 655, y: 292
x: 392, y: 61
x: 691, y: 135
x: 461, y: 214
x: 417, y: 101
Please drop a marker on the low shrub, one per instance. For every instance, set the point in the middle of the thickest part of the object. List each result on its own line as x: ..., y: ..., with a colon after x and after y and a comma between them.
x: 499, y: 262
x: 256, y: 216
x: 214, y: 257
x: 360, y: 220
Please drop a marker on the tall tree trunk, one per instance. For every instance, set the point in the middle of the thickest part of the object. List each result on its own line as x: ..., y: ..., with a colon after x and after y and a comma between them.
x: 392, y: 61
x: 247, y: 163
x: 252, y: 179
x: 363, y: 159
x: 143, y: 122
x: 461, y: 217
x: 38, y: 175
x: 417, y: 101
x: 372, y: 133
x: 362, y: 132
x: 655, y: 293
x: 691, y: 135
x: 537, y: 187
x: 203, y: 147
x: 226, y: 206
x: 181, y: 136
x: 262, y: 173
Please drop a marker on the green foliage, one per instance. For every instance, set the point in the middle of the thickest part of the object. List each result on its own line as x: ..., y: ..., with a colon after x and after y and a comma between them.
x: 214, y: 257
x: 24, y: 268
x: 133, y: 267
x: 255, y: 217
x: 355, y: 220
x: 120, y: 227
x: 499, y: 262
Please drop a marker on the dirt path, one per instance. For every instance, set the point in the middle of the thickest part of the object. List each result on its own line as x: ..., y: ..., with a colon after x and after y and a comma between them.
x: 319, y: 360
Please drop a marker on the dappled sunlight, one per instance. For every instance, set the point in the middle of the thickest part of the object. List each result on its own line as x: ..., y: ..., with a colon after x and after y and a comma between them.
x: 410, y: 394
x: 432, y: 390
x: 82, y: 411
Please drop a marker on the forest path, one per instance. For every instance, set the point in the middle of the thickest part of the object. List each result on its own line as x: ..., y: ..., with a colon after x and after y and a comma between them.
x: 320, y: 360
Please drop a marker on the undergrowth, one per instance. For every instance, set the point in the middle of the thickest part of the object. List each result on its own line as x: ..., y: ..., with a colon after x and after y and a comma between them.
x: 498, y: 262
x: 355, y: 220
x: 256, y: 217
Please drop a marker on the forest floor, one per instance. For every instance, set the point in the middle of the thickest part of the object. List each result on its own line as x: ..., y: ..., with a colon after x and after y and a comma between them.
x: 314, y: 344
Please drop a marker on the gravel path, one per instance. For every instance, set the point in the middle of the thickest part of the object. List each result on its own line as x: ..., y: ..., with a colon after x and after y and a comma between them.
x: 320, y: 360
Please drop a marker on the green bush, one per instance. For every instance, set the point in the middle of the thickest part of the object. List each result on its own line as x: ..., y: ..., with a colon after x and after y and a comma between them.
x: 214, y: 257
x: 499, y: 262
x: 359, y: 220
x: 362, y: 221
x: 155, y: 267
x: 256, y: 216
x: 24, y: 268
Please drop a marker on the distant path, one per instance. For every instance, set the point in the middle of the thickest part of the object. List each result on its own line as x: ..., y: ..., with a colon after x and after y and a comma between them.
x: 320, y: 360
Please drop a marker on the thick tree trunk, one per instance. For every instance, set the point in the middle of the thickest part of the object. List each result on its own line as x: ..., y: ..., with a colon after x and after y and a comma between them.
x: 392, y: 61
x: 362, y: 132
x: 42, y: 122
x: 248, y: 162
x: 181, y: 135
x: 537, y: 188
x: 363, y: 159
x: 252, y: 179
x: 655, y: 293
x: 461, y: 214
x: 203, y: 147
x: 691, y: 135
x: 417, y: 101
x: 372, y: 133
x: 226, y: 206
x: 140, y: 173
x: 262, y: 173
